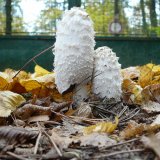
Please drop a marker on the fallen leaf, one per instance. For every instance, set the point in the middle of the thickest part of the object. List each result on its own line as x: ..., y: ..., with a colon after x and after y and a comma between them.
x: 42, y: 86
x: 131, y: 92
x: 151, y: 92
x: 83, y: 110
x: 157, y: 120
x: 130, y: 73
x: 158, y: 135
x: 61, y: 142
x: 3, y: 84
x: 11, y: 73
x: 9, y: 102
x: 128, y: 85
x: 40, y: 71
x: 146, y: 76
x: 151, y: 107
x: 155, y: 68
x: 134, y: 129
x: 29, y: 110
x: 57, y: 97
x: 16, y: 135
x: 136, y: 97
x: 96, y: 139
x: 17, y: 87
x: 153, y: 143
x: 70, y: 127
x: 106, y: 127
x: 30, y: 84
x: 39, y: 118
x: 156, y: 80
x: 93, y: 139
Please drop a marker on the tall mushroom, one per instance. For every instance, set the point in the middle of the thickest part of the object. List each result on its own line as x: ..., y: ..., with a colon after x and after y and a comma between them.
x: 74, y: 48
x: 107, y: 78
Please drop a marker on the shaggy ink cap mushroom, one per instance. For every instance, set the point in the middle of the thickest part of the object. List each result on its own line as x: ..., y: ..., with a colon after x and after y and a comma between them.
x: 74, y: 48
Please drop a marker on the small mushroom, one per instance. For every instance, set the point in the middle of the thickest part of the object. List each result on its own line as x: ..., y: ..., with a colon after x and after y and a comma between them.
x: 74, y: 48
x: 107, y: 78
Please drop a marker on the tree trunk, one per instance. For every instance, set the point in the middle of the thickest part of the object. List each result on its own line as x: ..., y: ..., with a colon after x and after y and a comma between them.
x: 116, y: 9
x: 74, y: 3
x: 145, y: 29
x: 153, y: 15
x: 8, y: 9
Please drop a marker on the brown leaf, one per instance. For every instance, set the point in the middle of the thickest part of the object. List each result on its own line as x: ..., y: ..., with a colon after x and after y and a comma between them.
x: 152, y: 142
x: 29, y: 110
x: 151, y: 92
x: 17, y: 135
x: 17, y: 87
x: 83, y: 110
x: 58, y: 106
x: 57, y: 97
x: 134, y: 129
x: 151, y: 107
x: 131, y: 92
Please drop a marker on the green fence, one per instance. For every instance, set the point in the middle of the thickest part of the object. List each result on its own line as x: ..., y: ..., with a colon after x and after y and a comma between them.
x: 16, y: 50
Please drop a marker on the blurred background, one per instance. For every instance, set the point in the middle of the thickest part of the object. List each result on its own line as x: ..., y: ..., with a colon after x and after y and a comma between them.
x: 40, y: 17
x: 130, y: 27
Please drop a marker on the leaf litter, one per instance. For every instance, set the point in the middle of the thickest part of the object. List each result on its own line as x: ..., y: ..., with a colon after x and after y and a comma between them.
x: 37, y: 122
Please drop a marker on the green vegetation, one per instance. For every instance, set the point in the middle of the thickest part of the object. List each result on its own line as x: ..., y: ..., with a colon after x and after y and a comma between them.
x: 14, y: 23
x: 142, y: 19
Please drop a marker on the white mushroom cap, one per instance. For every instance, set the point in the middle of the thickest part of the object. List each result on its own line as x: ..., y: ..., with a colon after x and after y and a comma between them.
x: 74, y: 49
x: 107, y: 74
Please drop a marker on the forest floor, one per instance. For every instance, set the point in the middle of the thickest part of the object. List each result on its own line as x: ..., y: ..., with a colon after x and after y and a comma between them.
x: 39, y: 123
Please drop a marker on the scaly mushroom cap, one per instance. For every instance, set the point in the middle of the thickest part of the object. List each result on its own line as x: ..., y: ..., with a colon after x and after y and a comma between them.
x: 74, y: 49
x: 107, y: 78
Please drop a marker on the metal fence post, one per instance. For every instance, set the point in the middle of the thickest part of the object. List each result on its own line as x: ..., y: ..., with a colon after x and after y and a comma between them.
x: 74, y: 3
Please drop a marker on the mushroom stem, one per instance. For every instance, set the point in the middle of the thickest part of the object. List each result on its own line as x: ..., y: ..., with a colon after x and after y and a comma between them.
x: 81, y: 93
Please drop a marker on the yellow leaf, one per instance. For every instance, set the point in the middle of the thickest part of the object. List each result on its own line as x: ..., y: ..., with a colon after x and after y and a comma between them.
x: 41, y: 86
x: 9, y: 102
x: 107, y: 127
x: 40, y: 71
x: 155, y: 68
x: 146, y: 76
x: 3, y: 84
x: 47, y: 80
x: 8, y: 83
x: 131, y: 92
x: 136, y: 97
x: 30, y: 84
x: 156, y: 80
